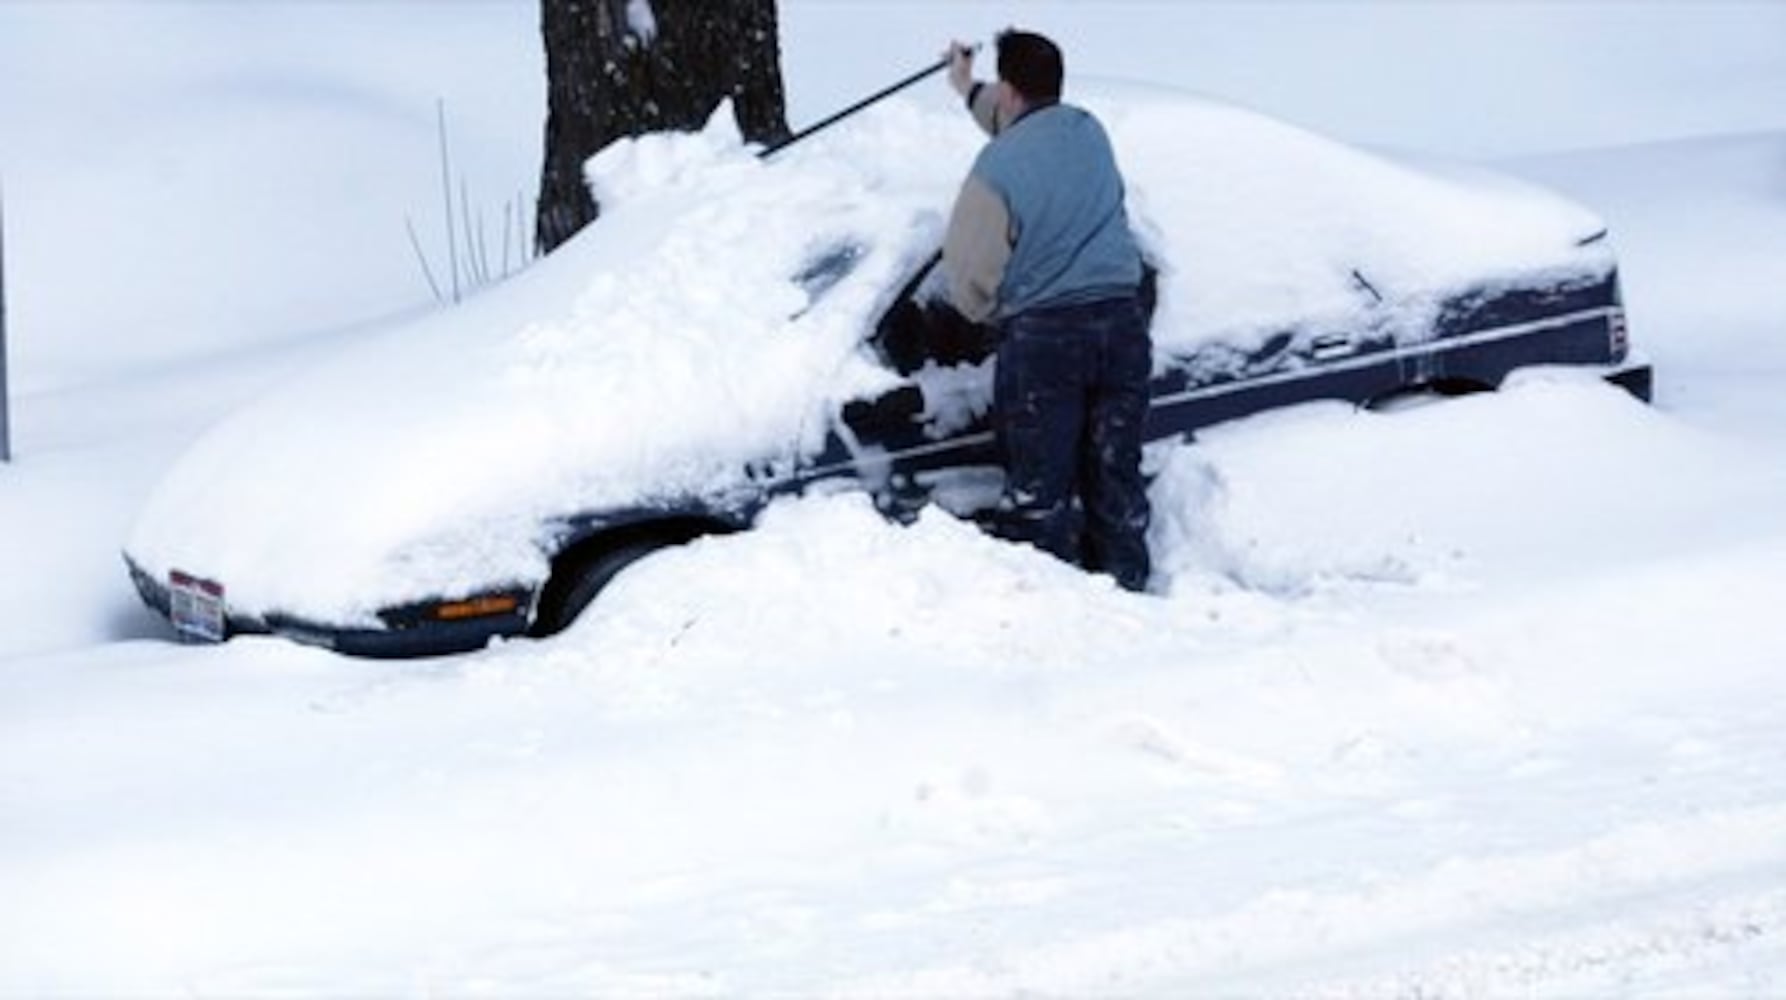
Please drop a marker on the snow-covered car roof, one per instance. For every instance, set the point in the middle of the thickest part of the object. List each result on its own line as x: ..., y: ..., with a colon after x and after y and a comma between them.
x: 707, y: 327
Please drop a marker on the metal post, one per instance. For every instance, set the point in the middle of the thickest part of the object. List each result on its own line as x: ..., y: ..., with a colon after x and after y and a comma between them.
x: 5, y: 424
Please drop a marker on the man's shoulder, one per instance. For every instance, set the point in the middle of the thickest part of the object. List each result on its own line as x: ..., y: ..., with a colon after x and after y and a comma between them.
x: 1061, y: 113
x: 1054, y: 124
x: 1041, y: 131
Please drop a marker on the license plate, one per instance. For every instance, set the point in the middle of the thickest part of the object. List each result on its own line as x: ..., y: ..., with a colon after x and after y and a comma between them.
x: 196, y: 607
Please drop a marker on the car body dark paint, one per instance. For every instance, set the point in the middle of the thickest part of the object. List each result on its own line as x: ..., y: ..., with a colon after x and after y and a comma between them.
x: 884, y: 445
x: 412, y: 630
x: 1477, y: 338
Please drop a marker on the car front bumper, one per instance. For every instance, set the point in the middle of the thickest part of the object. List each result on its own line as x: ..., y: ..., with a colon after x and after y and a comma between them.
x: 411, y: 632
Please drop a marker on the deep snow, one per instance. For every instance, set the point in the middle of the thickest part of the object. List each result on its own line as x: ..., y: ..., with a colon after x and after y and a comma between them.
x: 1479, y: 697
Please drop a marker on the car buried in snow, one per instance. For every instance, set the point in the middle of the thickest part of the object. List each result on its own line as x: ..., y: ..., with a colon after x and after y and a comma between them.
x: 733, y: 330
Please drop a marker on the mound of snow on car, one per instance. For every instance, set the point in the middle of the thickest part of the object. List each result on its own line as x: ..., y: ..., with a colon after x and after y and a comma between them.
x: 703, y: 333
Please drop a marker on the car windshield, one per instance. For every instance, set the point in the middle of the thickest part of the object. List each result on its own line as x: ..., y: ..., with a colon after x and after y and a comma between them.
x: 830, y: 264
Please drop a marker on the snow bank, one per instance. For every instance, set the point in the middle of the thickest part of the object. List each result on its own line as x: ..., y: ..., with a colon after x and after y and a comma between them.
x: 187, y: 179
x: 838, y: 756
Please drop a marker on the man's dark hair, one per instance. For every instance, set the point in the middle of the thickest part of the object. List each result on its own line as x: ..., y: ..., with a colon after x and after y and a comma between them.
x: 1031, y: 64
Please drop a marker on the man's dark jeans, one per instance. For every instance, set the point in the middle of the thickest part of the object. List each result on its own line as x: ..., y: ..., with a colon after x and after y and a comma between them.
x: 1069, y: 401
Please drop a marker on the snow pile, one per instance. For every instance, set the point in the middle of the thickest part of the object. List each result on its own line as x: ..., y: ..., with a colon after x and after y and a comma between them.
x: 1263, y: 227
x: 654, y: 358
x: 838, y: 756
x: 709, y: 326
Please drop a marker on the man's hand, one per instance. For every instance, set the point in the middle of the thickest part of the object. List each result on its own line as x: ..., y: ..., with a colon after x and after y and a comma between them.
x: 961, y: 67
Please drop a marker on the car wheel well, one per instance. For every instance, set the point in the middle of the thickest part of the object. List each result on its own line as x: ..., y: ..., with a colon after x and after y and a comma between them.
x: 581, y: 570
x: 1439, y: 388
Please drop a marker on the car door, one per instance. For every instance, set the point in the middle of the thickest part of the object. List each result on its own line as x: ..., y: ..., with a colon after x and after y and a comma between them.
x: 921, y: 439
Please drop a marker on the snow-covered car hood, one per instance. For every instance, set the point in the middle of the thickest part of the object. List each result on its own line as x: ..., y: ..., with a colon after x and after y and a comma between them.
x: 705, y: 328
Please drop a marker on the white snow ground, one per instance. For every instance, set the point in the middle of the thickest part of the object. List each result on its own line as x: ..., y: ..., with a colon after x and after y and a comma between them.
x: 1472, y: 698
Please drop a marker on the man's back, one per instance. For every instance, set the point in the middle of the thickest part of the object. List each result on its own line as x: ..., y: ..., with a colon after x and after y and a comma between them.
x: 1039, y: 241
x: 1055, y: 172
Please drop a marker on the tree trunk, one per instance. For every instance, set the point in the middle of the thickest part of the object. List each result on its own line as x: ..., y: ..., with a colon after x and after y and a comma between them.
x: 618, y: 68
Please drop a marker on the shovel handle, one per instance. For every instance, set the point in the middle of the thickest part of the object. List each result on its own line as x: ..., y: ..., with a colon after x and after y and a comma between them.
x: 878, y: 96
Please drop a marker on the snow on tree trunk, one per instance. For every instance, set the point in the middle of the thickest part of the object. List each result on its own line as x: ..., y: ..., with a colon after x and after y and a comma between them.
x: 618, y: 68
